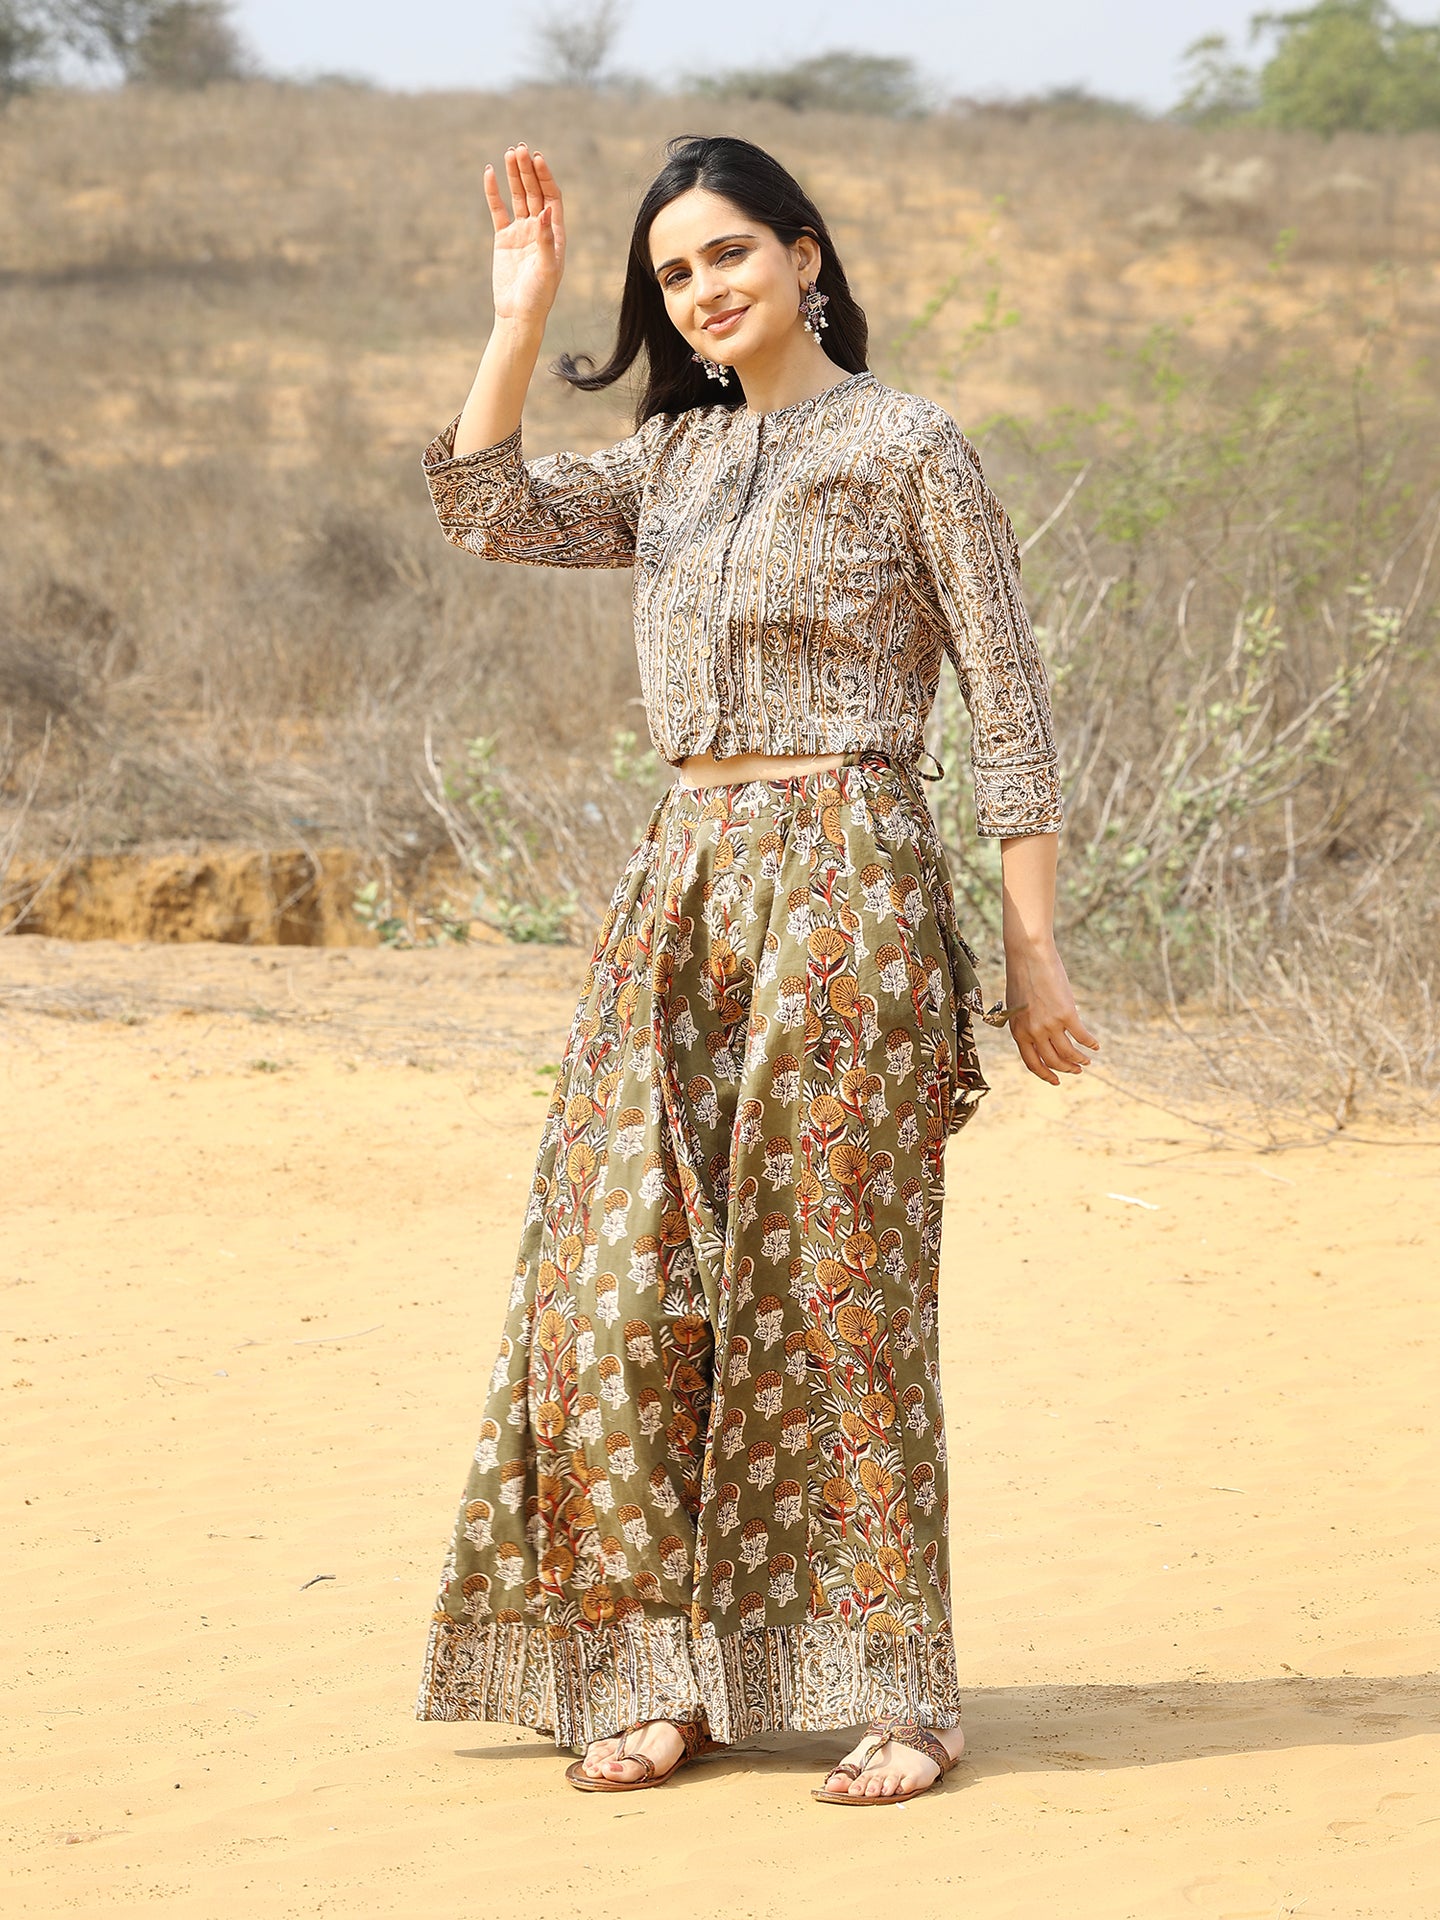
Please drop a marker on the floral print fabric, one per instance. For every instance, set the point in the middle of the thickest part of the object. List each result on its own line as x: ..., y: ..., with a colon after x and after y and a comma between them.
x: 710, y: 1481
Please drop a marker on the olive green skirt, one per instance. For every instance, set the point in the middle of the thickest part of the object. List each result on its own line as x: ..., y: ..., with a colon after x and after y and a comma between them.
x: 711, y: 1477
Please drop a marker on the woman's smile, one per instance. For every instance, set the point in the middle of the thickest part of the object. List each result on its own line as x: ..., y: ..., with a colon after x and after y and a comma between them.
x: 726, y: 322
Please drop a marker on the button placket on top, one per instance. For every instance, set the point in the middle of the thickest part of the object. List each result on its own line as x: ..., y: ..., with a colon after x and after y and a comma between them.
x: 934, y: 526
x: 739, y: 480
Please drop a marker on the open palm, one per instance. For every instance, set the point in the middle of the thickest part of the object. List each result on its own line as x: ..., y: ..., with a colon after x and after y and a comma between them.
x: 530, y: 244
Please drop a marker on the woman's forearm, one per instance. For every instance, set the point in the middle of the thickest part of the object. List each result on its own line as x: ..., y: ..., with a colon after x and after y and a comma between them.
x: 1028, y: 863
x: 1044, y: 1022
x: 497, y: 397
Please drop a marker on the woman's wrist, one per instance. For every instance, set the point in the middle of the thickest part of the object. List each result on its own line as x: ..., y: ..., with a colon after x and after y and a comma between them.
x: 497, y: 396
x: 522, y: 332
x: 1024, y: 948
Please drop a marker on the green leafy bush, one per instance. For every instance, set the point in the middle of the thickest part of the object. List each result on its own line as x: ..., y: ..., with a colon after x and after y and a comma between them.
x: 1342, y: 65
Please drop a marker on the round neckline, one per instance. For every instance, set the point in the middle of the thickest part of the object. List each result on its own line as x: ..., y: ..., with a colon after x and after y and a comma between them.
x: 810, y: 400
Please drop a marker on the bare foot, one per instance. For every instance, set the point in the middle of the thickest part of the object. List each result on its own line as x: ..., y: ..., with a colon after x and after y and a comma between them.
x: 894, y: 1768
x: 659, y: 1741
x: 596, y: 1754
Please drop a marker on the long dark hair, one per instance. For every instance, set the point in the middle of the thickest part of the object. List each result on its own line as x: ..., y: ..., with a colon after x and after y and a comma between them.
x: 754, y: 181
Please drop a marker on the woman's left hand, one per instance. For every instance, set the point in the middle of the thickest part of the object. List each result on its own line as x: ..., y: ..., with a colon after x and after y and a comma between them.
x: 1045, y: 1025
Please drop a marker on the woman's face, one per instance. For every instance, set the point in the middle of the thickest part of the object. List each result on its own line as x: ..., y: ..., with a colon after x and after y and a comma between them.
x: 730, y: 285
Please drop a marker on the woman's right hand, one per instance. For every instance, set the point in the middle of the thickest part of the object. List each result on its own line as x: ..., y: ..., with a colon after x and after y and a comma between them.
x: 530, y: 246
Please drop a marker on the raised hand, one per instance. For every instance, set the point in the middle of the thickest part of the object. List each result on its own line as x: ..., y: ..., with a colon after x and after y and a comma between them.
x: 530, y: 244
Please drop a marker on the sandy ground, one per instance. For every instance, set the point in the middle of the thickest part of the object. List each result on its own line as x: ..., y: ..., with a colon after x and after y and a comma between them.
x: 259, y: 1211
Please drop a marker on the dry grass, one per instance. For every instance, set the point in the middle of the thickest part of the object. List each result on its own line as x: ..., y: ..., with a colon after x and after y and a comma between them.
x: 228, y: 323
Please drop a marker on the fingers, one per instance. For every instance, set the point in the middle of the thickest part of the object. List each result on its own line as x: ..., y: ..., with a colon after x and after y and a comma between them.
x: 534, y: 195
x: 515, y: 183
x: 527, y: 196
x: 1064, y: 1050
x: 499, y: 213
x: 1055, y: 1050
x: 1082, y: 1033
x: 550, y: 187
x: 1049, y: 1050
x: 1048, y: 1044
x: 1029, y: 1054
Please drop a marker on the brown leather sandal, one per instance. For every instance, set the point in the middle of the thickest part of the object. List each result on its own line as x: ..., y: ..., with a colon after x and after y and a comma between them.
x: 908, y: 1733
x: 695, y: 1736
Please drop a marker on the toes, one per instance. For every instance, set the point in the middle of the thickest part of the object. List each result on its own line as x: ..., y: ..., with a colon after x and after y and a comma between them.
x: 878, y: 1786
x: 596, y: 1759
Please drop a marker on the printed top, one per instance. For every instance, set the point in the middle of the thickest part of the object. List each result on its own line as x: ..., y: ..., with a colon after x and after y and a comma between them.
x: 800, y: 574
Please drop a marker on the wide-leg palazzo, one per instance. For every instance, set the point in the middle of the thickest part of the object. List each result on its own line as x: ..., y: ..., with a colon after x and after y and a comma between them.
x: 711, y: 1476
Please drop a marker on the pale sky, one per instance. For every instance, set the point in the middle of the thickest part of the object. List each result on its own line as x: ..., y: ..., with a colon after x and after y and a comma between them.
x: 1127, y: 48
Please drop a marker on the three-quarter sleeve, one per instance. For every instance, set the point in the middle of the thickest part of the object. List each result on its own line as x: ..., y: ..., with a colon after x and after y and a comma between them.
x: 562, y: 510
x: 971, y: 561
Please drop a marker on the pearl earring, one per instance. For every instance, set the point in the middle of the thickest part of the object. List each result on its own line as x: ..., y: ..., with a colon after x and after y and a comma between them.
x: 812, y: 303
x: 713, y: 369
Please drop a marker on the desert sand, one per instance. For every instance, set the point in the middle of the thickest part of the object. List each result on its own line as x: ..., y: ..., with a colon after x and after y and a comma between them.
x: 259, y: 1212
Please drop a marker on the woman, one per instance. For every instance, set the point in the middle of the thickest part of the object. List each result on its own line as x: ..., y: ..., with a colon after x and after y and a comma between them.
x: 709, y: 1497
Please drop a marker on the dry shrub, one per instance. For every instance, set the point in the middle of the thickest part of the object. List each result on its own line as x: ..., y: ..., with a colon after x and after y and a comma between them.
x: 229, y: 322
x: 1237, y: 595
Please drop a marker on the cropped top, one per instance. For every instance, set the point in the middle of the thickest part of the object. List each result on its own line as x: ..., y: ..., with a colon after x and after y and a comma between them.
x: 800, y: 575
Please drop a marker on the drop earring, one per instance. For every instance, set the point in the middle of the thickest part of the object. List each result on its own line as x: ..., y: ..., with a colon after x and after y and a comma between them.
x: 812, y: 305
x: 713, y: 369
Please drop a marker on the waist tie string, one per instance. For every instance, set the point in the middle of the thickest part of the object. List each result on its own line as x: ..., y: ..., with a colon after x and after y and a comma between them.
x: 908, y: 770
x: 998, y: 1015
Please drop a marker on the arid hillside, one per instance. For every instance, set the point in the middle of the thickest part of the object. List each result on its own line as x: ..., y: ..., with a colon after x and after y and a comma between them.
x: 305, y: 271
x: 1200, y: 368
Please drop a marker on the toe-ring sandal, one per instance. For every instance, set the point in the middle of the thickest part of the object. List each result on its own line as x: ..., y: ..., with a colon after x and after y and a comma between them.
x: 692, y: 1732
x: 908, y: 1733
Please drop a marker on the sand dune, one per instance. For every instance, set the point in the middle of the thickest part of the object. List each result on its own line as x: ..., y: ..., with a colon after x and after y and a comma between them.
x: 259, y: 1212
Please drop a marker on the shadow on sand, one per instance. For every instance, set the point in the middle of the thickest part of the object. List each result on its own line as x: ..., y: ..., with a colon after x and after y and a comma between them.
x: 1050, y: 1729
